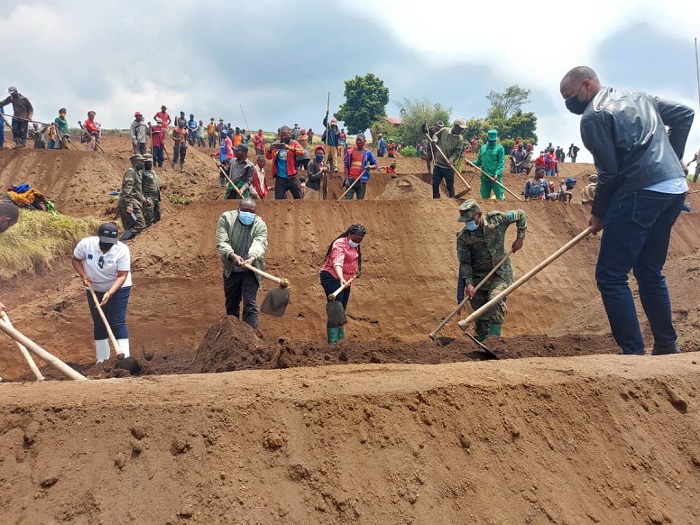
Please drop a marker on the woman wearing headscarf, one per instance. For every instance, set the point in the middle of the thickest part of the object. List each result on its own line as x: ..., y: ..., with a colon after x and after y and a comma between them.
x: 343, y: 262
x: 105, y: 262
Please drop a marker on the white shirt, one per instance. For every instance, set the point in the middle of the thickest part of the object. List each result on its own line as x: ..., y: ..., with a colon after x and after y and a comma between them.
x: 118, y: 258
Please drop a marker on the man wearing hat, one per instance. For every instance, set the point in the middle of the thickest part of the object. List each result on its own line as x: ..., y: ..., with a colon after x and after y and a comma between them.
x: 139, y: 132
x: 131, y: 199
x: 480, y: 246
x: 317, y: 171
x: 588, y: 193
x: 242, y: 171
x: 163, y: 116
x: 157, y: 134
x: 381, y: 146
x: 211, y: 133
x: 491, y: 160
x: 23, y: 112
x: 451, y: 142
x: 150, y: 186
x: 331, y: 139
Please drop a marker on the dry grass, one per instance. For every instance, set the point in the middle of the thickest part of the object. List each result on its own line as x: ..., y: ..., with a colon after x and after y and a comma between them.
x: 38, y: 239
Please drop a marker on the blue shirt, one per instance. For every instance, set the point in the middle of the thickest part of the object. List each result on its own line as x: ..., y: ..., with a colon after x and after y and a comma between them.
x: 282, y: 164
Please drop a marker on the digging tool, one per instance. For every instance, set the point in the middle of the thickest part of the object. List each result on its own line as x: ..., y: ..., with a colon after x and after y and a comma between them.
x: 694, y: 191
x: 110, y: 334
x: 25, y: 119
x: 469, y: 188
x: 529, y: 275
x: 92, y: 139
x: 490, y: 353
x: 244, y: 118
x: 349, y: 188
x: 240, y: 193
x: 25, y: 352
x: 464, y: 301
x: 40, y: 352
x: 324, y: 182
x: 493, y: 179
x: 334, y: 309
x: 277, y: 299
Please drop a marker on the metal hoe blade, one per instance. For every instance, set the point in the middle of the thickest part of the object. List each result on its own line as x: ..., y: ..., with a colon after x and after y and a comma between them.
x: 335, y: 313
x: 275, y: 302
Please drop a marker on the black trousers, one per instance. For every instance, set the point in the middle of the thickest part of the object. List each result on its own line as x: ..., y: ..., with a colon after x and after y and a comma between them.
x: 284, y: 185
x: 242, y: 286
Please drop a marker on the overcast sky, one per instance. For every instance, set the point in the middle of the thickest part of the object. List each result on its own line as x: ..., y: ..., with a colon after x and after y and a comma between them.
x: 278, y: 60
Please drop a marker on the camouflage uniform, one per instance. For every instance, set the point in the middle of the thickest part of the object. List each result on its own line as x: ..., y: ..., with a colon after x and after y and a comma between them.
x: 478, y: 251
x: 131, y: 198
x: 150, y: 184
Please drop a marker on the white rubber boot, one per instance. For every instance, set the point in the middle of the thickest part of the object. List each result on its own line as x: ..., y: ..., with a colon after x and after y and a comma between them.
x: 123, y: 347
x: 102, y: 350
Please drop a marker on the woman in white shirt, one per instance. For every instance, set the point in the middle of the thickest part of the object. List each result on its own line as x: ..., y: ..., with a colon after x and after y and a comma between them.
x: 105, y: 262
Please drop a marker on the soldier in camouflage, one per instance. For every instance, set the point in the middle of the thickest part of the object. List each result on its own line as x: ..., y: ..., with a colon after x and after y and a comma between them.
x: 479, y: 248
x: 150, y: 184
x: 131, y: 200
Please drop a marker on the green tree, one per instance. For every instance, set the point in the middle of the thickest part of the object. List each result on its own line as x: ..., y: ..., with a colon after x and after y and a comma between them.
x: 510, y: 101
x: 414, y: 113
x: 365, y: 102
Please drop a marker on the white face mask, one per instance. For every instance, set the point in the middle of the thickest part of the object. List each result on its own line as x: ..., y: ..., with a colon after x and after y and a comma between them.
x: 353, y: 244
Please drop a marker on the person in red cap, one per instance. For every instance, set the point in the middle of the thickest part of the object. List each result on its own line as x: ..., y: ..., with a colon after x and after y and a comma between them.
x: 164, y: 117
x: 139, y: 133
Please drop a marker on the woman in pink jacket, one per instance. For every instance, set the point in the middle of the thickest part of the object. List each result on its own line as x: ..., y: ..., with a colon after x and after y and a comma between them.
x: 343, y: 262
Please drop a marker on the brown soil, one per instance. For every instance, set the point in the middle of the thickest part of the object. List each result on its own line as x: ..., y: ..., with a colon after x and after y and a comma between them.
x: 402, y: 430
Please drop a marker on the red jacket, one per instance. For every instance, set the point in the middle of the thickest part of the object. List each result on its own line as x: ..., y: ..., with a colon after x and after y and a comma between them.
x: 157, y: 135
x: 298, y: 151
x: 90, y: 125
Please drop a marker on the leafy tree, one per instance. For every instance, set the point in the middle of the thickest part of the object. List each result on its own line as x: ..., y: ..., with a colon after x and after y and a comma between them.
x: 510, y: 101
x: 365, y: 102
x: 414, y: 113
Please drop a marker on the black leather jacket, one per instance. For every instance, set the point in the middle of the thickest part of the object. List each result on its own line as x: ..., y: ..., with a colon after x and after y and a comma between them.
x: 625, y: 130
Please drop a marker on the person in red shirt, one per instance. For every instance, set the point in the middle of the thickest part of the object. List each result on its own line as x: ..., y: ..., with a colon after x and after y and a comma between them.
x: 157, y: 142
x: 358, y: 162
x: 343, y: 262
x: 164, y: 117
x: 259, y: 142
x: 539, y: 161
x: 284, y: 155
x: 92, y: 130
x: 390, y: 148
x: 259, y: 189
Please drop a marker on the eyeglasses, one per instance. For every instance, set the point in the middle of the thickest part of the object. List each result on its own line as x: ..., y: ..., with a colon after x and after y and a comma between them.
x: 101, y: 262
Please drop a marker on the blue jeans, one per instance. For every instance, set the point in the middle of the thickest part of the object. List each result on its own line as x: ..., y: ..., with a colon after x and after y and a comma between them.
x: 358, y: 189
x: 637, y: 229
x: 115, y: 312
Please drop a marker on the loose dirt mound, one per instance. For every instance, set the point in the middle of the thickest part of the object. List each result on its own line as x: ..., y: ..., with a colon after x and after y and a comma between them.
x: 607, y: 439
x: 405, y: 188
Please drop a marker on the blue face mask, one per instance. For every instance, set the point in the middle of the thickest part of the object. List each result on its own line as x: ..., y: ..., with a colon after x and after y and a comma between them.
x: 246, y: 217
x: 471, y: 225
x: 319, y: 157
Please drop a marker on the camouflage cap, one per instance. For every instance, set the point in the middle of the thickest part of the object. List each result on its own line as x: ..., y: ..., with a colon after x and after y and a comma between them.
x: 136, y: 156
x: 467, y: 210
x: 147, y: 157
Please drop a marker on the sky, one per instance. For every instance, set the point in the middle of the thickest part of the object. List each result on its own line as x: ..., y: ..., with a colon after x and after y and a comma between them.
x: 277, y: 61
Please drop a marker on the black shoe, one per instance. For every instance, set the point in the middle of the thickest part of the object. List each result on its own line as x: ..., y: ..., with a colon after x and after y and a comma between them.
x: 672, y: 348
x: 128, y: 234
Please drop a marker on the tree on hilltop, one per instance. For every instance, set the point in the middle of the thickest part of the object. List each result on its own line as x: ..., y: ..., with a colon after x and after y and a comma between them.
x: 365, y: 102
x: 507, y: 102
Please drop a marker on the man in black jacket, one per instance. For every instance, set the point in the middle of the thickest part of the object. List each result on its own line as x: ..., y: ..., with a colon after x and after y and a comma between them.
x: 641, y: 189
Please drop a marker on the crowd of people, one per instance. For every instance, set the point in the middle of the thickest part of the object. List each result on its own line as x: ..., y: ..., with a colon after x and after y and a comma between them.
x: 635, y: 237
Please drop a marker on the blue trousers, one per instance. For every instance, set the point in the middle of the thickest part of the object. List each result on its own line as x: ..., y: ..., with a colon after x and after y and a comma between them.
x: 637, y: 229
x: 115, y: 312
x: 157, y: 156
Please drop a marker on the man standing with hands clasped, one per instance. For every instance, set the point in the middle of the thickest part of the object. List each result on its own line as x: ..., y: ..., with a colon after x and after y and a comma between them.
x: 241, y: 238
x: 641, y: 188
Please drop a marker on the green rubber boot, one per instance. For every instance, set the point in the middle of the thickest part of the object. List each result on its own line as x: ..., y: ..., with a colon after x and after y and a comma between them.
x: 341, y: 333
x: 495, y: 330
x: 332, y: 335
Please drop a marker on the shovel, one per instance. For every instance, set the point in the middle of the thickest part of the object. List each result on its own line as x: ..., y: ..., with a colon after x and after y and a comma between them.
x: 334, y: 309
x: 277, y: 299
x: 529, y: 275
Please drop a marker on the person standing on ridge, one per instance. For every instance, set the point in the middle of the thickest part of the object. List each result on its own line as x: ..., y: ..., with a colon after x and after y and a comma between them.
x: 491, y: 160
x: 640, y: 193
x: 23, y: 112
